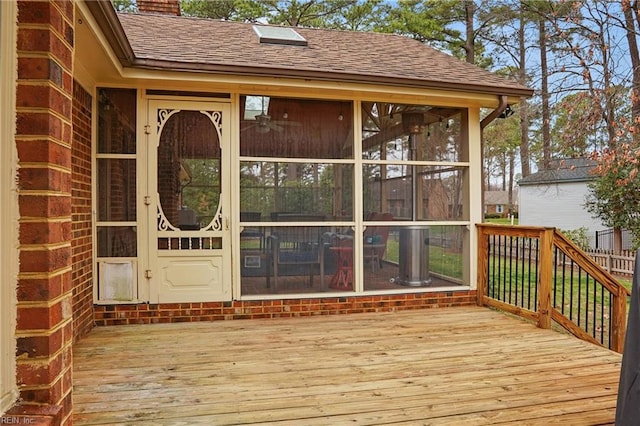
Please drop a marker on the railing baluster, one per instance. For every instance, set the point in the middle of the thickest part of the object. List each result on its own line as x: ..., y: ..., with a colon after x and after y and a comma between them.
x: 564, y: 283
x: 517, y: 282
x: 510, y: 268
x: 491, y: 258
x: 571, y: 294
x: 535, y: 262
x: 579, y: 294
x: 537, y: 272
x: 529, y: 275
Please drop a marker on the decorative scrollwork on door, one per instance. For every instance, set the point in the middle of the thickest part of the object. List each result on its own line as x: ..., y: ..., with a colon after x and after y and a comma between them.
x: 163, y: 116
x: 216, y: 222
x: 189, y: 179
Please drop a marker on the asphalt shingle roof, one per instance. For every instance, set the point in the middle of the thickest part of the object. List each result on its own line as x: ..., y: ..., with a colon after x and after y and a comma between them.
x: 496, y: 197
x: 205, y: 45
x: 563, y: 170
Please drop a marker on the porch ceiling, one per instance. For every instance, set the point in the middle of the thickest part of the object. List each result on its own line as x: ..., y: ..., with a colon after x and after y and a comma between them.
x: 439, y: 366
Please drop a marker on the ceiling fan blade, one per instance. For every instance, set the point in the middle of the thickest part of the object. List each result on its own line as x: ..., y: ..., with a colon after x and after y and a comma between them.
x: 287, y: 123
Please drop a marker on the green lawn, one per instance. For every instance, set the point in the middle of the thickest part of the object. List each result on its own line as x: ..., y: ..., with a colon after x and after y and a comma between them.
x: 502, y: 221
x: 441, y: 261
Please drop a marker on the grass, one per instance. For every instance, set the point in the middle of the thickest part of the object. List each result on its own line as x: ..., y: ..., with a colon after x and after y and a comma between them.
x: 502, y: 221
x: 441, y: 261
x: 577, y: 296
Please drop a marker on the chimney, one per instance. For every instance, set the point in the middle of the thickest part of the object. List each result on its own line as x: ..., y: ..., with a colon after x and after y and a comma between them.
x: 165, y: 7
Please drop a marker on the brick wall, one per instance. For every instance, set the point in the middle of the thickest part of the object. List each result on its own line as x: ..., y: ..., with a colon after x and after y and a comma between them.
x: 43, y: 138
x: 81, y: 244
x: 246, y: 309
x: 167, y: 7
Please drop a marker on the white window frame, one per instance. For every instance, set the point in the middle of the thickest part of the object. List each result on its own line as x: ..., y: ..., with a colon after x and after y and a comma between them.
x: 470, y: 131
x: 9, y: 198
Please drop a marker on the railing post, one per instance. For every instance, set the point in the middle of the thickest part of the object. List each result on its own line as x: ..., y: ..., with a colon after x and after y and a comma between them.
x: 483, y: 271
x: 619, y: 321
x: 545, y: 277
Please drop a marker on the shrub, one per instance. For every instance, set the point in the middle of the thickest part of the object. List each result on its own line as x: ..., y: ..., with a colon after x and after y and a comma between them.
x: 578, y: 236
x: 492, y: 216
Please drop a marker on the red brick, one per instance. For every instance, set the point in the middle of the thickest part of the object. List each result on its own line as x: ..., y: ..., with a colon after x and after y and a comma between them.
x: 43, y: 96
x: 41, y: 318
x: 37, y: 415
x: 34, y: 374
x: 33, y: 68
x: 45, y: 260
x: 36, y: 178
x: 44, y: 40
x: 45, y: 206
x: 39, y: 346
x: 288, y: 307
x: 38, y: 12
x: 41, y: 289
x: 34, y: 39
x: 38, y: 124
x: 44, y: 151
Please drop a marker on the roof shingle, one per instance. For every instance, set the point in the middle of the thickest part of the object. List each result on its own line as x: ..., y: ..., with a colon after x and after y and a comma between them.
x: 562, y: 170
x: 206, y: 45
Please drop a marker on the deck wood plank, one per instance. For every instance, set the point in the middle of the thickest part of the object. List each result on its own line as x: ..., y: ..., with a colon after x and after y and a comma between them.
x: 440, y: 366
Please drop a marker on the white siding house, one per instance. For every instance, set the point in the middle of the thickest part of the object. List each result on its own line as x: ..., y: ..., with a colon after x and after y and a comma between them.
x: 556, y: 197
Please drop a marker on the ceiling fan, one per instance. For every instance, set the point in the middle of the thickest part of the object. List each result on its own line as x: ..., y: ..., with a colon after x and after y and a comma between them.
x: 264, y: 124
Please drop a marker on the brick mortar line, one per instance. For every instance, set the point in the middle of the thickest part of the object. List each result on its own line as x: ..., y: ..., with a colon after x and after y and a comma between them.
x: 43, y: 192
x: 46, y: 303
x: 44, y: 332
x: 43, y: 138
x: 45, y: 83
x: 43, y: 166
x: 44, y: 275
x: 41, y: 247
x: 63, y: 219
x: 52, y: 29
x: 41, y: 110
x: 47, y: 386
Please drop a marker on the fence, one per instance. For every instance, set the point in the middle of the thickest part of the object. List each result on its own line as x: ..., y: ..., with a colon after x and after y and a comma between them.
x: 617, y: 264
x: 604, y: 239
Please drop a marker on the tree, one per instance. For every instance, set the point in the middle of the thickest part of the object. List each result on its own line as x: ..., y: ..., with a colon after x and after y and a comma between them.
x: 615, y: 193
x: 512, y: 38
x: 634, y: 54
x: 501, y: 143
x: 227, y: 10
x: 124, y: 5
x: 355, y: 15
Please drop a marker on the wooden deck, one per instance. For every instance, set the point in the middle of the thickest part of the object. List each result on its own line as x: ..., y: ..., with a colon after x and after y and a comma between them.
x: 459, y: 366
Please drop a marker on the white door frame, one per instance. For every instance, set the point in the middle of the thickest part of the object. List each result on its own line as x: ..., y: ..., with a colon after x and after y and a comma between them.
x: 187, y: 265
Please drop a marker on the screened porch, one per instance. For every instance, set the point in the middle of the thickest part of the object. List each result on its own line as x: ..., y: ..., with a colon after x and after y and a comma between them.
x: 321, y: 212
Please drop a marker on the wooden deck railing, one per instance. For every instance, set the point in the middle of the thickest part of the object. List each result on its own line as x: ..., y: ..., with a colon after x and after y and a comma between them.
x: 538, y: 274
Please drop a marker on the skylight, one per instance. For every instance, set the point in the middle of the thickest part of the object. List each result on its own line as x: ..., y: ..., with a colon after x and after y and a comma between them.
x: 279, y: 35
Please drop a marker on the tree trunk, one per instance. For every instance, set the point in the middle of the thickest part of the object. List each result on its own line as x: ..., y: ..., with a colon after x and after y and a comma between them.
x: 630, y: 28
x: 544, y: 93
x: 524, y: 110
x: 469, y: 11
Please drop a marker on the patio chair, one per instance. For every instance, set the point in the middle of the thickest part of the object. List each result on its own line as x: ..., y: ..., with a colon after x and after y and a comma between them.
x: 376, y: 238
x: 291, y: 247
